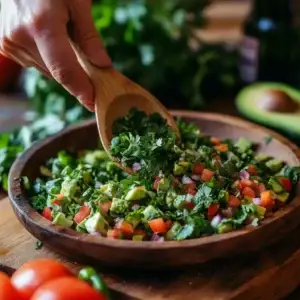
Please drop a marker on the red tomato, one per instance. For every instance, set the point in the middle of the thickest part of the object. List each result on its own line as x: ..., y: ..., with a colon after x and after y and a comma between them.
x: 158, y: 225
x: 198, y: 168
x: 139, y: 231
x: 233, y: 201
x: 266, y: 199
x: 189, y: 188
x: 252, y: 170
x: 67, y: 288
x: 7, y: 290
x: 156, y: 182
x: 207, y: 175
x: 261, y: 188
x: 286, y: 183
x: 47, y: 213
x: 114, y: 233
x: 105, y: 207
x: 247, y: 191
x: 221, y: 148
x: 213, y: 209
x: 83, y: 212
x: 189, y: 205
x: 36, y: 273
x: 126, y: 228
x: 59, y: 198
x: 9, y: 71
x: 245, y: 183
x: 175, y: 182
x: 215, y: 140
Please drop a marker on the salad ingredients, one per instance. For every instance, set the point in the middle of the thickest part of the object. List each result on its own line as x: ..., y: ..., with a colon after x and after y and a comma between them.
x: 50, y: 279
x: 179, y: 190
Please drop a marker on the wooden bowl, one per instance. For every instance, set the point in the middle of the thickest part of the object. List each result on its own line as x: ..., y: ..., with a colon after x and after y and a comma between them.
x: 152, y: 255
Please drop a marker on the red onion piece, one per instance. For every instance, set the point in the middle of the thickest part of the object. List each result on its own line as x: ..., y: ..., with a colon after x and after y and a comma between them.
x: 257, y: 201
x: 244, y: 175
x: 135, y: 207
x: 186, y: 180
x: 216, y: 221
x: 157, y: 238
x: 136, y: 167
x: 196, y: 177
x: 95, y: 233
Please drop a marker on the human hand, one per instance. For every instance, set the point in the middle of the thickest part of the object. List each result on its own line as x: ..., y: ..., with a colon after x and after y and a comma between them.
x: 37, y: 33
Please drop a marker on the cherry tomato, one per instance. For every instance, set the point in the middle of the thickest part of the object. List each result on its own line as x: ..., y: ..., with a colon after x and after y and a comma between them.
x: 156, y: 182
x: 286, y: 183
x: 213, y: 209
x: 247, y: 191
x: 207, y: 175
x: 158, y: 225
x: 198, y: 168
x: 47, y: 213
x: 114, y: 233
x: 67, y: 288
x: 252, y: 170
x: 189, y: 188
x: 83, y: 212
x: 233, y: 201
x: 7, y: 290
x: 35, y: 273
x: 126, y: 228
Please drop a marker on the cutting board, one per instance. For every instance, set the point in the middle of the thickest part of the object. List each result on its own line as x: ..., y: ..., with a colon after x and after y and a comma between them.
x: 272, y: 273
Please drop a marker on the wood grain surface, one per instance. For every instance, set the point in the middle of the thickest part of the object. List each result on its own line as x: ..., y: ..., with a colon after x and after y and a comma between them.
x: 269, y: 274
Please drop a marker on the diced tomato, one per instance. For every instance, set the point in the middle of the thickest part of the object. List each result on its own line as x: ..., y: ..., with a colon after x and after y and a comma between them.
x: 198, y: 168
x: 252, y: 170
x: 83, y: 212
x: 169, y: 224
x: 261, y: 188
x: 266, y: 199
x: 233, y: 201
x: 158, y: 225
x: 47, y: 213
x: 286, y: 183
x: 139, y: 231
x: 221, y: 148
x: 114, y: 233
x: 207, y: 175
x: 189, y: 205
x: 156, y: 182
x: 213, y: 209
x: 215, y: 140
x: 190, y: 188
x: 245, y: 183
x: 105, y: 207
x: 126, y: 228
x: 247, y: 191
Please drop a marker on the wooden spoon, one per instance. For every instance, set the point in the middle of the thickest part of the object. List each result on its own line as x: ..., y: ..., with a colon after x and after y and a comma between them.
x: 115, y: 95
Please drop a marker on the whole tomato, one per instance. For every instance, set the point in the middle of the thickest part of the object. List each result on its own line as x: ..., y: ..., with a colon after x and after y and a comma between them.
x: 35, y: 273
x: 67, y: 288
x: 9, y: 71
x: 7, y: 290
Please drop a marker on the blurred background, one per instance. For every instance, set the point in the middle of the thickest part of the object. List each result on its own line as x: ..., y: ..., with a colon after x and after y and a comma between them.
x: 238, y: 57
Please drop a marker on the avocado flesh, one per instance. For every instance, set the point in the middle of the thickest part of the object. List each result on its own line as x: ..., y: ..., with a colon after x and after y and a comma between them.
x: 247, y: 103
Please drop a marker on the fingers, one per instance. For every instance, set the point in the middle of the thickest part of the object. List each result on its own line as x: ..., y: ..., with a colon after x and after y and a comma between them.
x: 62, y: 63
x: 86, y: 35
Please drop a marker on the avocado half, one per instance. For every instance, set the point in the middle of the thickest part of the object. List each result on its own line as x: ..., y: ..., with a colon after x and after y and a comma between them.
x: 275, y: 105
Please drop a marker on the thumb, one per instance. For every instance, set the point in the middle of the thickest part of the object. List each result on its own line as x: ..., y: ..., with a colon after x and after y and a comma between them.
x: 85, y: 34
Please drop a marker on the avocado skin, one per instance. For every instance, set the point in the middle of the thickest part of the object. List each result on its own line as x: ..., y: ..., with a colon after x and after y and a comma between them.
x: 285, y: 123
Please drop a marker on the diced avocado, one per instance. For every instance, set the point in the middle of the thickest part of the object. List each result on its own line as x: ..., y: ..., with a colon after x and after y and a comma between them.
x: 96, y: 223
x: 283, y: 197
x: 260, y: 211
x: 81, y: 226
x: 179, y: 202
x: 178, y: 170
x: 274, y: 165
x: 109, y: 189
x: 173, y: 232
x: 150, y: 212
x: 224, y: 227
x: 134, y: 220
x: 261, y: 157
x: 275, y: 185
x: 119, y: 205
x: 185, y: 164
x: 171, y: 195
x: 93, y: 157
x: 163, y: 184
x: 137, y: 238
x: 61, y: 220
x: 185, y: 232
x: 136, y: 193
x: 69, y: 188
x: 243, y: 144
